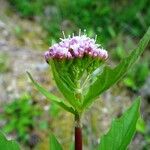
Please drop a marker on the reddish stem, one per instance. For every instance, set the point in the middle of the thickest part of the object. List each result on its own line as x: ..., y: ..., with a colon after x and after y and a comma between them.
x: 78, y: 134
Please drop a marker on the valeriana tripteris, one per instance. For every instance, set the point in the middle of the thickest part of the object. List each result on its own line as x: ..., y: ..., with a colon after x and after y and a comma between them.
x: 75, y: 62
x: 81, y: 73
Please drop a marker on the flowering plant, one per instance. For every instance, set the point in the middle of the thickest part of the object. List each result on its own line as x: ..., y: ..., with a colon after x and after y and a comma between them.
x: 81, y: 73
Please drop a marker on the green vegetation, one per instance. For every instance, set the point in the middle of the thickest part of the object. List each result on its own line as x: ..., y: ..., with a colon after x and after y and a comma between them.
x: 119, y: 25
x: 105, y: 18
x: 8, y: 145
x: 122, y: 130
x: 137, y: 76
x: 21, y: 117
x: 28, y: 8
x: 69, y: 79
x: 143, y: 128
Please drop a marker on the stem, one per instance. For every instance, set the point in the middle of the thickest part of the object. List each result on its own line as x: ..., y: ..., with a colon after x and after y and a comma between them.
x: 78, y: 133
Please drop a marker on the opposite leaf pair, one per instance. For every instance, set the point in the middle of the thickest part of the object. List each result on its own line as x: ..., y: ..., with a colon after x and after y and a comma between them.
x: 120, y: 134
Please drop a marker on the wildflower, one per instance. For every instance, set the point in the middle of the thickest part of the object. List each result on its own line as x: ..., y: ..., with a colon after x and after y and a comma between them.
x: 76, y: 47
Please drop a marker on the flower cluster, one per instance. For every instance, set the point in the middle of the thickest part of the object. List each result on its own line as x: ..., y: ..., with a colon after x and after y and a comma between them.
x: 76, y: 47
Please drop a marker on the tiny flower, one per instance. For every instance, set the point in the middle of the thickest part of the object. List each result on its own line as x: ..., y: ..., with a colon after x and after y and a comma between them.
x: 76, y: 47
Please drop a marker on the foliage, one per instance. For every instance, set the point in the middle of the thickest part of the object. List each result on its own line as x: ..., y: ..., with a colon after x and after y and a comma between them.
x: 75, y: 77
x: 53, y: 143
x: 27, y: 8
x: 122, y: 130
x: 69, y: 79
x: 137, y: 76
x: 143, y: 128
x: 20, y: 116
x: 8, y: 144
x: 117, y: 138
x: 110, y: 76
x: 52, y: 97
x: 132, y: 17
x: 106, y: 18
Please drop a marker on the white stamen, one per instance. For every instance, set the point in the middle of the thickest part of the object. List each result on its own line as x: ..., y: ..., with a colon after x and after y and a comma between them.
x: 79, y: 32
x: 95, y: 38
x: 63, y: 34
x: 84, y: 31
x: 80, y: 45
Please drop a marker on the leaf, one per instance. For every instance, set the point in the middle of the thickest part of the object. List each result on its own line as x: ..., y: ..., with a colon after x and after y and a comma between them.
x: 63, y: 87
x: 8, y: 145
x: 112, y: 75
x: 141, y: 126
x: 50, y: 96
x: 53, y: 143
x: 122, y: 130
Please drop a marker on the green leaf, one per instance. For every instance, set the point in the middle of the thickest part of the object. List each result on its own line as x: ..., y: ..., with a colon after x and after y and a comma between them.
x: 53, y: 143
x: 50, y: 96
x: 129, y: 82
x: 141, y: 126
x: 122, y: 130
x: 110, y: 76
x: 73, y: 77
x: 63, y: 86
x: 6, y: 144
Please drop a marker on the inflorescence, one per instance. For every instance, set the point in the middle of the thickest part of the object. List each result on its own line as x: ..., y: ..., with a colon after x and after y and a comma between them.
x: 76, y: 47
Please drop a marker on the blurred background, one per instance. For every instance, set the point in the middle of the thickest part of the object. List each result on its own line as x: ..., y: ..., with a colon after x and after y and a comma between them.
x: 28, y: 28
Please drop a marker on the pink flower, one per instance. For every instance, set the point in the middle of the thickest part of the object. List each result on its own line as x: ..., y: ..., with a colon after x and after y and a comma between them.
x: 76, y: 47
